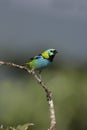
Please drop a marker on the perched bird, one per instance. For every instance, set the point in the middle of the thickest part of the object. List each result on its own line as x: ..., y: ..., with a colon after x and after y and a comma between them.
x: 42, y: 60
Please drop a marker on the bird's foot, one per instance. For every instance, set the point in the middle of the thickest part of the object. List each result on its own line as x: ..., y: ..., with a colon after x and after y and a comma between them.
x: 32, y: 71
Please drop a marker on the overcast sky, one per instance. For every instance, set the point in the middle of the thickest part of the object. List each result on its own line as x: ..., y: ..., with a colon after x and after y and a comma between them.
x: 72, y: 7
x: 60, y: 24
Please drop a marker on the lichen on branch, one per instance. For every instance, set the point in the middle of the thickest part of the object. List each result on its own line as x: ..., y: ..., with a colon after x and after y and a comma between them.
x: 42, y: 84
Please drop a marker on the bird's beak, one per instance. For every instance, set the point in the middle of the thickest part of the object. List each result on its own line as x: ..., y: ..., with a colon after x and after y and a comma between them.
x: 55, y: 51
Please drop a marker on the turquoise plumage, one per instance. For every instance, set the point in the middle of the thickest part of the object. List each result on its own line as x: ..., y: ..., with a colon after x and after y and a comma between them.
x: 42, y: 60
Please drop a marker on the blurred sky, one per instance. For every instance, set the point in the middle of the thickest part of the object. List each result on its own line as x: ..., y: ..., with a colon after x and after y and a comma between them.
x: 33, y: 25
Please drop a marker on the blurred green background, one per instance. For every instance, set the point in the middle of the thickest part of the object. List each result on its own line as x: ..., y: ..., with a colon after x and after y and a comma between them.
x: 26, y: 29
x: 23, y: 100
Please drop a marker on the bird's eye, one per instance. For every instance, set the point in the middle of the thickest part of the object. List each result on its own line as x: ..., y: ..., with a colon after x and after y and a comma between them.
x: 51, y: 51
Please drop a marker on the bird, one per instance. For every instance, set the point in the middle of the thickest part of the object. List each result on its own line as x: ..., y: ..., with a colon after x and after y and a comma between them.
x: 42, y: 60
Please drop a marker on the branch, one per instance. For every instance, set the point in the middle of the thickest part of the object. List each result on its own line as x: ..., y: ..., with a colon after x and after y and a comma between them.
x: 47, y: 92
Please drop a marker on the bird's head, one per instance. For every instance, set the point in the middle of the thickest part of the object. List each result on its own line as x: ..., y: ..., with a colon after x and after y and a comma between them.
x: 49, y: 54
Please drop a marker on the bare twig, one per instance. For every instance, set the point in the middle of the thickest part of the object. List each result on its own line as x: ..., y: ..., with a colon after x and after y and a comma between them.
x: 48, y: 93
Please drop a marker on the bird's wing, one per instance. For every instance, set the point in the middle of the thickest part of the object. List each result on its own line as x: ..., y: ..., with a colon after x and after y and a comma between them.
x: 35, y: 57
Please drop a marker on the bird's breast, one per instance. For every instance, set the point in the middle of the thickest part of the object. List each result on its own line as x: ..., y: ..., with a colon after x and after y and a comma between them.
x: 41, y: 63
